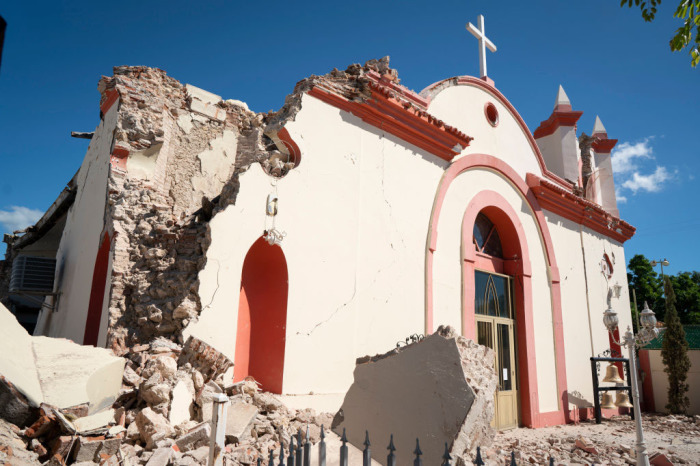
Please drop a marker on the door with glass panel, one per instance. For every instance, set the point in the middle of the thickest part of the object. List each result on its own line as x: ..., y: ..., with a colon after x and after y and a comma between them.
x: 495, y: 319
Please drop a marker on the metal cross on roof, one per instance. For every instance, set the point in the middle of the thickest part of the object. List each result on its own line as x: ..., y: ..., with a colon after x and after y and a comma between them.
x: 480, y: 33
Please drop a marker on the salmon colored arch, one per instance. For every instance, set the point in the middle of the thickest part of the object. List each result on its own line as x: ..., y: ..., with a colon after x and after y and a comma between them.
x: 97, y: 292
x: 536, y: 418
x: 262, y: 317
x: 517, y: 264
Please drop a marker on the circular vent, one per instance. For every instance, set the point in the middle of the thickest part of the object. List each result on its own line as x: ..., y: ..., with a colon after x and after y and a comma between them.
x: 491, y: 114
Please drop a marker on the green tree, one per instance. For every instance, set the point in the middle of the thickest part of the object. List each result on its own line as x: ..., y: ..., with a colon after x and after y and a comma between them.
x: 687, y: 297
x: 674, y: 353
x: 643, y: 279
x: 688, y: 35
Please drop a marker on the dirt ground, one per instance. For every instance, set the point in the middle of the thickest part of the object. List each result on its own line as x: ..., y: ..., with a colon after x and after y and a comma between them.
x: 612, y: 441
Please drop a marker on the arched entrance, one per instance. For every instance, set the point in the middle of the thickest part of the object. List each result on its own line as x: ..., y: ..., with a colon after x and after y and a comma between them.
x: 494, y: 313
x: 520, y: 395
x: 262, y: 316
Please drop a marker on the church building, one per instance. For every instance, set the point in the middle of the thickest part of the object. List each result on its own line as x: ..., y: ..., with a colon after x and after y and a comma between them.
x: 359, y: 214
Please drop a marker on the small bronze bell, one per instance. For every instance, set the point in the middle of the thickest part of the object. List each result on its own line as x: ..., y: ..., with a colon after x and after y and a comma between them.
x: 607, y: 402
x: 623, y: 401
x: 612, y: 375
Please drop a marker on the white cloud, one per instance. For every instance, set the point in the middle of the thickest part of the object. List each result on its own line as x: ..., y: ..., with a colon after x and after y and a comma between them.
x: 651, y: 183
x: 621, y: 198
x: 626, y: 156
x: 18, y: 218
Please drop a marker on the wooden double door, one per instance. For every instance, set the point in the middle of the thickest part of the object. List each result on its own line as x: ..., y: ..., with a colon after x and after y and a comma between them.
x: 495, y: 321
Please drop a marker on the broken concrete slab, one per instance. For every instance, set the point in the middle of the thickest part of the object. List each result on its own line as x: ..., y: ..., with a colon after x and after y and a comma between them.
x: 239, y: 418
x: 206, y: 399
x: 195, y: 438
x: 57, y: 371
x: 96, y: 421
x: 182, y: 399
x: 160, y: 457
x: 440, y: 390
x: 90, y: 448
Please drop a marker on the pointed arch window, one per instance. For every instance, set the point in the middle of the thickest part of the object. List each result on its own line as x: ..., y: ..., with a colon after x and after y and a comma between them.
x: 486, y: 238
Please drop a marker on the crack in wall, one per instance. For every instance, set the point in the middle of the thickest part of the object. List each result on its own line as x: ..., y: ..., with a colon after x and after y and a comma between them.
x: 338, y: 309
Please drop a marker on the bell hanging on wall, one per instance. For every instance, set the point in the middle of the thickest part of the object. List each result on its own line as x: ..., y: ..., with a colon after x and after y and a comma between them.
x: 607, y: 402
x: 623, y: 400
x: 612, y: 375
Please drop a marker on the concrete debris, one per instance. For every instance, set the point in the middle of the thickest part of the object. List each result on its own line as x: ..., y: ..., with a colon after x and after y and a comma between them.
x: 240, y: 417
x: 96, y: 421
x: 611, y: 442
x: 153, y: 427
x: 440, y: 389
x: 195, y: 438
x: 160, y: 457
x: 56, y: 371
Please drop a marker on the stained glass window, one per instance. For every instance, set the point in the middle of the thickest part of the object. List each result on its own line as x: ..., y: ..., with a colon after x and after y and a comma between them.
x: 486, y: 238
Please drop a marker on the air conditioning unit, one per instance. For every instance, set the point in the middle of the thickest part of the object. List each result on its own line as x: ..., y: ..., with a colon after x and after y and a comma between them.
x: 32, y: 275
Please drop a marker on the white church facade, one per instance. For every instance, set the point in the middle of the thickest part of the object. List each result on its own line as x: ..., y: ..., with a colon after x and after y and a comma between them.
x: 381, y: 213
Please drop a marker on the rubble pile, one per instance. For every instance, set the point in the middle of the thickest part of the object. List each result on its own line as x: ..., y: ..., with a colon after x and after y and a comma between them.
x: 162, y: 416
x: 439, y: 389
x: 672, y: 438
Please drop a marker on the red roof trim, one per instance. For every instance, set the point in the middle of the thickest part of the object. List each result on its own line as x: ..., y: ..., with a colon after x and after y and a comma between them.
x: 409, y: 122
x: 577, y: 209
x: 604, y: 146
x: 555, y: 120
x: 111, y: 96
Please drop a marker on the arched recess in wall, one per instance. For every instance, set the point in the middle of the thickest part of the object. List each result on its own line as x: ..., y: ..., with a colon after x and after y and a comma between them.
x: 262, y: 316
x: 97, y: 292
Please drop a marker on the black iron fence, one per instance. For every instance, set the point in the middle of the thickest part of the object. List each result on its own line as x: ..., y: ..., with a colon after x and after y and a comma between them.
x: 299, y: 454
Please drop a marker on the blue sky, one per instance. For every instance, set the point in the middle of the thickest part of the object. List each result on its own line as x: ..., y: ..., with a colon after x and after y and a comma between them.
x: 610, y: 62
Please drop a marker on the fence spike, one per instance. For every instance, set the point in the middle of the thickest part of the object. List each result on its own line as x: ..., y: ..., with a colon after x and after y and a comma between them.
x: 391, y: 458
x: 290, y: 458
x: 366, y: 455
x: 478, y: 460
x: 446, y: 457
x: 259, y: 462
x: 551, y: 461
x: 418, y: 461
x: 344, y: 449
x: 322, y: 449
x: 281, y: 463
x: 307, y: 449
x: 512, y: 459
x: 300, y: 450
x: 272, y: 458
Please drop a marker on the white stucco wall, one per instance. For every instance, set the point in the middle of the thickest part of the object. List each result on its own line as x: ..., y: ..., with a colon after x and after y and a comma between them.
x: 356, y: 213
x: 605, y: 184
x: 75, y: 259
x: 560, y: 152
x: 447, y: 271
x: 463, y: 107
x: 579, y: 252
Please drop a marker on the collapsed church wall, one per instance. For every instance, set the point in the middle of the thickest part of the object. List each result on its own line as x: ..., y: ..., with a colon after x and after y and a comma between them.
x: 355, y: 212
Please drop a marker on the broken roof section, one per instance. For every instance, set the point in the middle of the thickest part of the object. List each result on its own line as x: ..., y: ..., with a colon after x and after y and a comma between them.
x: 57, y: 371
